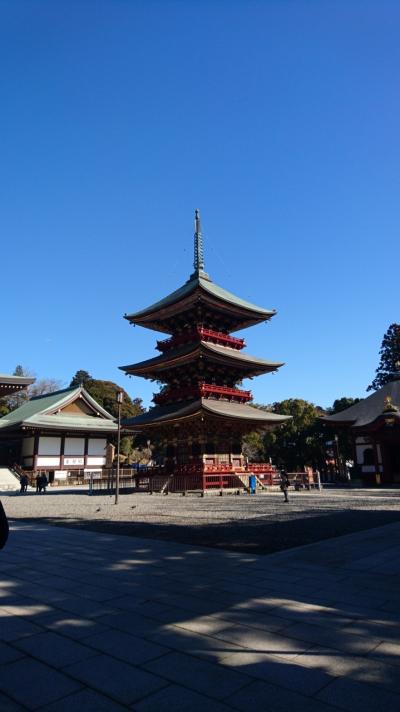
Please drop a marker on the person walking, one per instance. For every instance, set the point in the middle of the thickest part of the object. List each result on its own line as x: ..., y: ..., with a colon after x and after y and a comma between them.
x: 285, y: 485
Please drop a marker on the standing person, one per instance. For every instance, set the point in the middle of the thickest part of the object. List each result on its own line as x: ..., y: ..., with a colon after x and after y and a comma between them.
x: 38, y: 480
x: 24, y: 483
x: 285, y: 485
x: 43, y: 483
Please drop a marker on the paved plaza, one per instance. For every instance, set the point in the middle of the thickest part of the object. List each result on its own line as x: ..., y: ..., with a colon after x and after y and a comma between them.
x: 259, y: 524
x: 95, y: 621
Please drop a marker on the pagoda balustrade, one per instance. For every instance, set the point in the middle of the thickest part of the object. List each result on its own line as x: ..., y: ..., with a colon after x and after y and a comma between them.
x: 202, y: 390
x: 216, y: 337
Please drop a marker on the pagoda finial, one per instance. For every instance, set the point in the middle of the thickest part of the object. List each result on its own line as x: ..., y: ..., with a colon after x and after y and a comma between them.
x: 198, y: 244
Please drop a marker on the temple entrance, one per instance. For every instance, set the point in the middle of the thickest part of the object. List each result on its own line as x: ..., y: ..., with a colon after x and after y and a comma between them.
x: 9, y: 452
x: 391, y: 459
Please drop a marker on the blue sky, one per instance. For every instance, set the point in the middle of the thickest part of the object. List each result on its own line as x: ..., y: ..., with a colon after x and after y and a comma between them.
x: 278, y: 119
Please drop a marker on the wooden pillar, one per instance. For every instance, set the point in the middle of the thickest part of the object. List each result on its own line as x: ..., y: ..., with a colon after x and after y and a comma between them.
x: 35, y: 449
x: 85, y: 451
x: 376, y: 462
x: 62, y: 449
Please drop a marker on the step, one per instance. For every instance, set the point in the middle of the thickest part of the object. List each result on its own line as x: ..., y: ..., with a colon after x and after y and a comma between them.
x: 9, y: 482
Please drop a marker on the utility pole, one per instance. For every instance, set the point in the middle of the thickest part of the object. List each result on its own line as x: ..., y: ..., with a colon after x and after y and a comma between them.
x: 120, y: 400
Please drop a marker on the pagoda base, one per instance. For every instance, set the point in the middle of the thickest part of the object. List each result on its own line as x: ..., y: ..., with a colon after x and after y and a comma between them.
x: 203, y: 478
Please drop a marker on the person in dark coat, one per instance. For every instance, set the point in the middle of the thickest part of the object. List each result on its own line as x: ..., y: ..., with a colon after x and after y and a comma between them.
x: 285, y: 485
x: 3, y: 527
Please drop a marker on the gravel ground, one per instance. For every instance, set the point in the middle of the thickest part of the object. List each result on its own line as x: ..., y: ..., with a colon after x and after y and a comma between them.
x: 259, y: 524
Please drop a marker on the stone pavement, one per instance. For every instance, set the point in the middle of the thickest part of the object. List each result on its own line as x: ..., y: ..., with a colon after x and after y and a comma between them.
x: 100, y: 622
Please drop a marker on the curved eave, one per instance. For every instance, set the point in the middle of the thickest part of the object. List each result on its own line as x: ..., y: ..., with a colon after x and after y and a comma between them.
x: 99, y: 426
x: 13, y: 384
x: 242, y: 312
x: 251, y: 365
x: 328, y: 420
x: 368, y: 410
x: 368, y: 425
x: 177, y: 412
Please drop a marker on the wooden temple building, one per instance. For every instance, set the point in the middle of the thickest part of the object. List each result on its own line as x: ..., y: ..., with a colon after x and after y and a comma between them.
x: 13, y: 384
x: 59, y: 433
x: 374, y: 424
x: 201, y: 412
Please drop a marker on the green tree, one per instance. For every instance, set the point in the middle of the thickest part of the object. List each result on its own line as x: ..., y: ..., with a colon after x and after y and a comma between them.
x: 80, y: 378
x: 253, y: 446
x: 345, y: 438
x: 105, y: 393
x: 390, y: 358
x: 299, y: 441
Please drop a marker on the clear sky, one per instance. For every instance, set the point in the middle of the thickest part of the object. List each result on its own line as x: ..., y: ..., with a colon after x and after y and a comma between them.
x: 279, y: 119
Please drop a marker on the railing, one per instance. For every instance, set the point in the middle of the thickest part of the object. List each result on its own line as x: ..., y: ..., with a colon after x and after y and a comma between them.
x: 202, y: 390
x: 217, y: 337
x: 220, y: 337
x: 187, y: 483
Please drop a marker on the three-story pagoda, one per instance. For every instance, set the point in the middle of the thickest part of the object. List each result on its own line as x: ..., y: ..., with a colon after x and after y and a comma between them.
x: 202, y: 411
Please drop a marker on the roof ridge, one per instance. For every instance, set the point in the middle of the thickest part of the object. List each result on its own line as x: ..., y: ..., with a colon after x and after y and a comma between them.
x: 70, y: 389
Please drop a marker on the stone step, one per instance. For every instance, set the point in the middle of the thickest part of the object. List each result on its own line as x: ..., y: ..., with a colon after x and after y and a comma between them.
x: 9, y: 482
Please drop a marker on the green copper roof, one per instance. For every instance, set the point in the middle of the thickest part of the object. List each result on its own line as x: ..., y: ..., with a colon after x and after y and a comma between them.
x: 232, y: 357
x: 202, y: 283
x: 224, y: 409
x: 42, y: 411
x: 199, y: 282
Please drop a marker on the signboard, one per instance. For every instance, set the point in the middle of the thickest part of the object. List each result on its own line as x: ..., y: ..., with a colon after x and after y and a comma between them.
x: 92, y: 474
x: 74, y: 461
x: 60, y: 475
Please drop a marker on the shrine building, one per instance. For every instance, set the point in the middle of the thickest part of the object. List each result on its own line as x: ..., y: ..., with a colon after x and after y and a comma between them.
x: 374, y: 424
x: 201, y: 412
x: 13, y: 384
x: 57, y: 433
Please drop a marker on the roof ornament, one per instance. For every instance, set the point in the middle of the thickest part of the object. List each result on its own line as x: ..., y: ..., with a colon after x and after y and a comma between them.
x: 198, y: 262
x: 389, y: 406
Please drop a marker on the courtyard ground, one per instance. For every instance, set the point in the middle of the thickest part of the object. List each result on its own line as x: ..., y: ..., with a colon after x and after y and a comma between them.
x: 259, y: 524
x: 100, y: 622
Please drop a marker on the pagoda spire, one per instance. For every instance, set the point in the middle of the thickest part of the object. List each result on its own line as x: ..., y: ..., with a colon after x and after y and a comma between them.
x: 198, y: 262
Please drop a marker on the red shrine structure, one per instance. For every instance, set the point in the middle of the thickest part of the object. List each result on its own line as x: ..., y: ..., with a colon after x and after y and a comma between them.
x: 202, y: 411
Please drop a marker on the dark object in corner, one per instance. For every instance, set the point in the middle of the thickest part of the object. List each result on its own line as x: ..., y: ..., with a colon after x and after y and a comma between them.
x: 3, y: 527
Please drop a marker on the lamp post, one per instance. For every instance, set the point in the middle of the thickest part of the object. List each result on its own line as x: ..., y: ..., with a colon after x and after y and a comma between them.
x: 120, y: 400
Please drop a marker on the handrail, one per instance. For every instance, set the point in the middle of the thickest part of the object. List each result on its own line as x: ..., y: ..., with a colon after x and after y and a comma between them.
x: 205, y: 335
x: 200, y: 390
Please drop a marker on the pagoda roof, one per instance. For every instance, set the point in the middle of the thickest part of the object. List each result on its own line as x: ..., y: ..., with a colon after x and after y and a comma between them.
x: 368, y: 410
x: 199, y: 286
x: 176, y: 357
x: 220, y: 408
x: 45, y: 411
x: 12, y: 384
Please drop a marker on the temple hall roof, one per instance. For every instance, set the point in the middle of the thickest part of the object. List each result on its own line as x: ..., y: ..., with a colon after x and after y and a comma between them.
x: 369, y: 409
x: 46, y: 411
